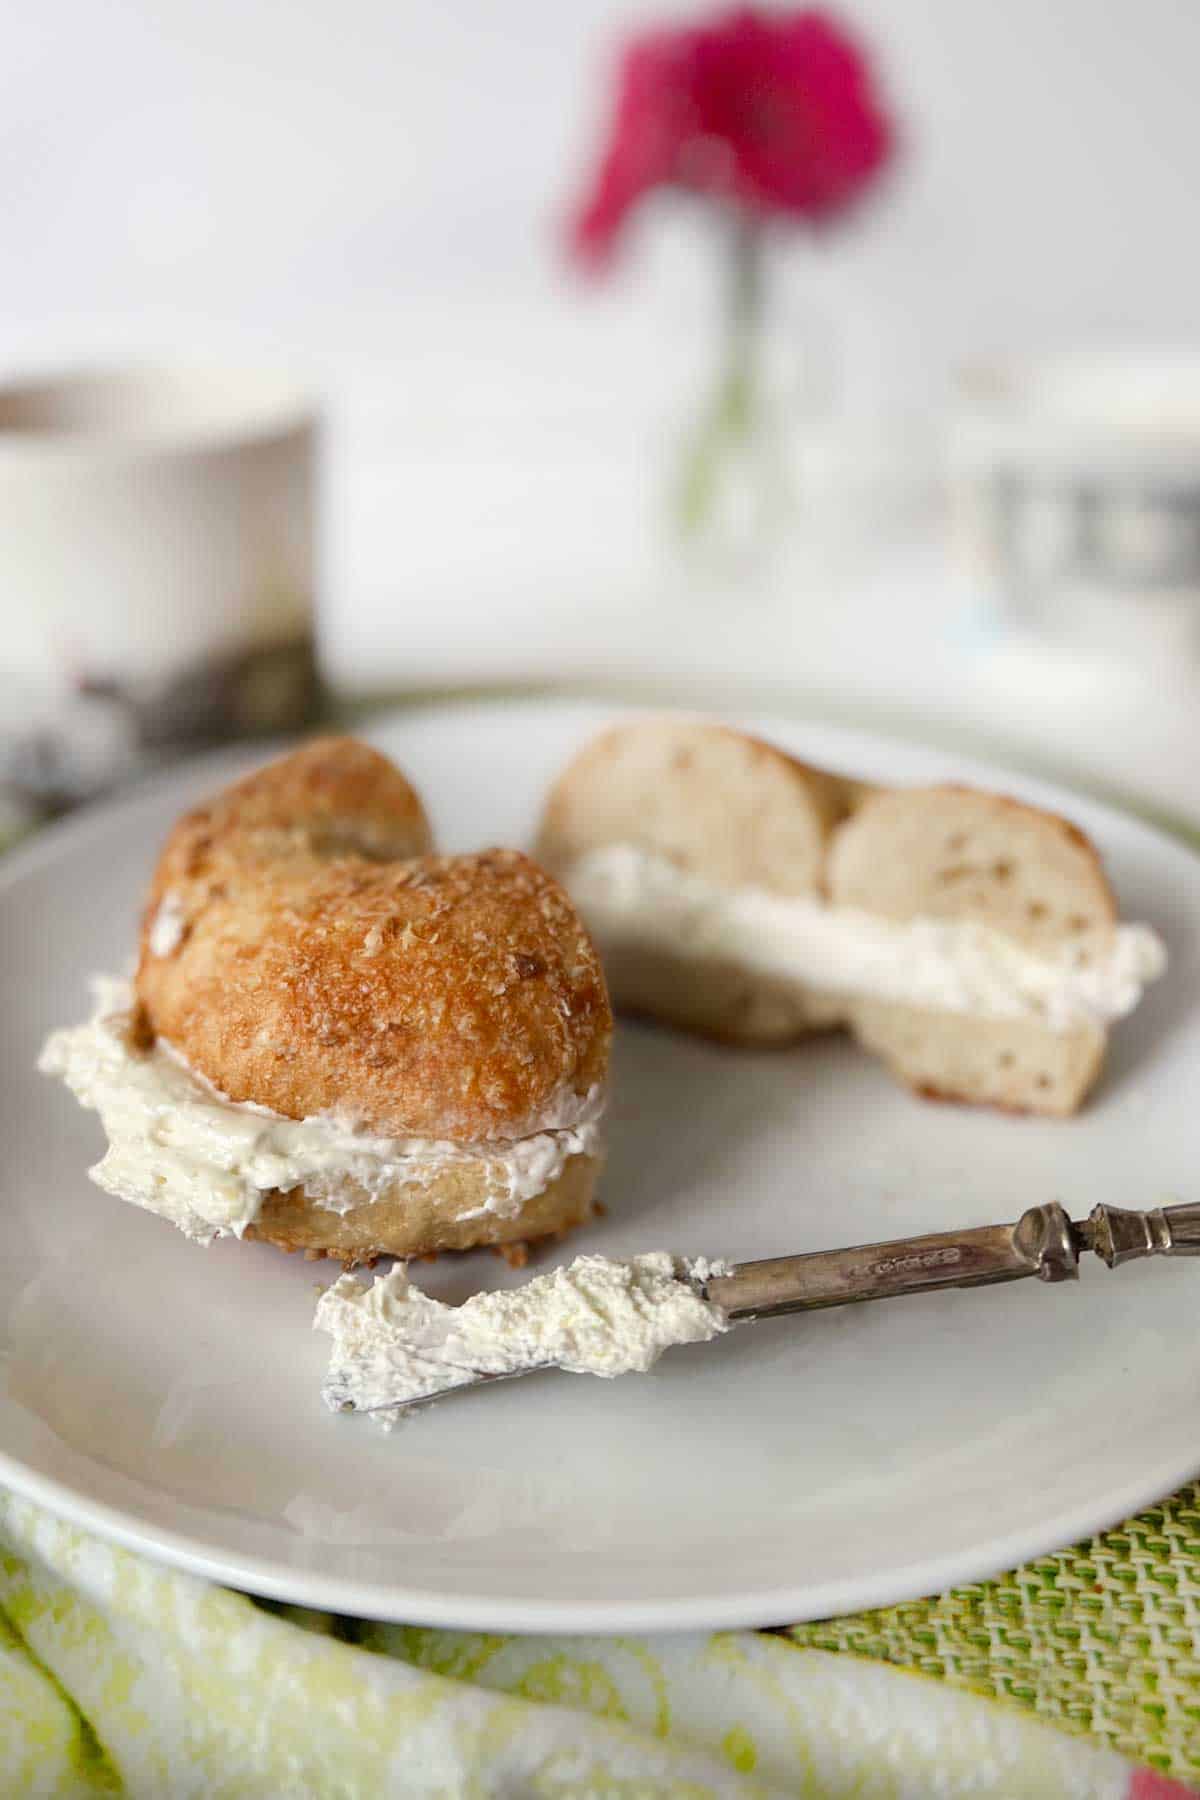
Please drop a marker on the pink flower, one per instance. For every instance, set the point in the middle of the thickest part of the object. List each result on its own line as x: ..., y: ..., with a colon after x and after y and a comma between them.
x: 1148, y: 1785
x: 772, y: 113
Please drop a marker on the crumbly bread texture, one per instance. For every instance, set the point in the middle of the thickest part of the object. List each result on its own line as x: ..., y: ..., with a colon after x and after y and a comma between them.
x: 315, y: 958
x: 418, y: 1219
x: 740, y: 813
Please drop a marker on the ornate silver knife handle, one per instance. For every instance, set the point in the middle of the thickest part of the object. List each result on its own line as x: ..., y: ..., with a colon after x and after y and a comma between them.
x: 1119, y: 1237
x: 1044, y: 1242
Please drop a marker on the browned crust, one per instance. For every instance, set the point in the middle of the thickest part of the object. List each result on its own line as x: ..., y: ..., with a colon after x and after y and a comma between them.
x: 331, y: 797
x: 422, y: 1221
x: 450, y: 997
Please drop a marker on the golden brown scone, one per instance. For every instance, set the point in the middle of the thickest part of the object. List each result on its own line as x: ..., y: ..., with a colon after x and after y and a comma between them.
x: 303, y: 952
x: 683, y: 839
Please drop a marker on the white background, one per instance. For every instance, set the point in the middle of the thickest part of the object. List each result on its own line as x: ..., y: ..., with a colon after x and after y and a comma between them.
x: 377, y: 188
x: 317, y: 170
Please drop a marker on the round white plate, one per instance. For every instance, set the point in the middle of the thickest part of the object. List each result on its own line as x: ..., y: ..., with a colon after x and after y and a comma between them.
x: 168, y: 1396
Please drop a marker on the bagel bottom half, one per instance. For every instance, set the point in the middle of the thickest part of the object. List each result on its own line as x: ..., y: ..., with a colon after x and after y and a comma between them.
x: 719, y: 998
x: 1009, y: 1063
x: 406, y: 1218
x: 1015, y: 1064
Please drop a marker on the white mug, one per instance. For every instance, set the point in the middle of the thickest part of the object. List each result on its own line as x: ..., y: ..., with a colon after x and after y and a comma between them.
x: 1078, y: 499
x: 157, y: 564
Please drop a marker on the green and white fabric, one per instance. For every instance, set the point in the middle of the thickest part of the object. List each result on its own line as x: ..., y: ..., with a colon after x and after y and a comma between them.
x: 118, y: 1676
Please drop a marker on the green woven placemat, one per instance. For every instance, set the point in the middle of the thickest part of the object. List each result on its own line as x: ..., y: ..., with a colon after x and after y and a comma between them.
x: 1103, y: 1639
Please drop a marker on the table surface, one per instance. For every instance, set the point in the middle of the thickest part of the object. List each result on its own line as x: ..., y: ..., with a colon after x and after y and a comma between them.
x: 902, y: 643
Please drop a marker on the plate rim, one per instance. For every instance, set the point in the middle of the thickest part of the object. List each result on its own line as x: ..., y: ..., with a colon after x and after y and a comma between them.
x: 749, y: 1610
x: 413, y: 1604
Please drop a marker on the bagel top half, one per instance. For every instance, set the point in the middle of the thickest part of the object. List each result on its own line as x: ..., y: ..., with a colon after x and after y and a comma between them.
x: 744, y: 814
x: 707, y: 797
x: 319, y: 960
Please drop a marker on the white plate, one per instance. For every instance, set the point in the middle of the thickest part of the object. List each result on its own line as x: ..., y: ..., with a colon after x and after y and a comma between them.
x: 168, y: 1396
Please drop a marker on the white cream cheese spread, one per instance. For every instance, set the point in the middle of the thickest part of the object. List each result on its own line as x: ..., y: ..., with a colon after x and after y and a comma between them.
x: 393, y: 1344
x: 182, y: 1149
x: 632, y: 896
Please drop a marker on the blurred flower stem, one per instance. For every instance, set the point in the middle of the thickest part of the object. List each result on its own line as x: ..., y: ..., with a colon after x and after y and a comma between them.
x: 772, y: 117
x: 733, y: 420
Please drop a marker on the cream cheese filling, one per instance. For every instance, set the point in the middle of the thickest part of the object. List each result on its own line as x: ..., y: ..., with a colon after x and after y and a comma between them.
x: 180, y: 1148
x: 633, y: 897
x: 394, y: 1344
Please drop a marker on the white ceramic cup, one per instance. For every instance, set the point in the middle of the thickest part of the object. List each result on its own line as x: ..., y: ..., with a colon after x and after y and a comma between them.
x: 1078, y: 498
x: 157, y: 544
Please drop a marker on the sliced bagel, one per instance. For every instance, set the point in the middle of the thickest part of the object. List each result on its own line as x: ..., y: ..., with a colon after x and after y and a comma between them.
x: 970, y: 940
x: 341, y: 1042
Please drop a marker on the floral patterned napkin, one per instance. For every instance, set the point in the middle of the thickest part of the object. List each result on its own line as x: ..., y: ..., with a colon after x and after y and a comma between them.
x: 119, y: 1676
